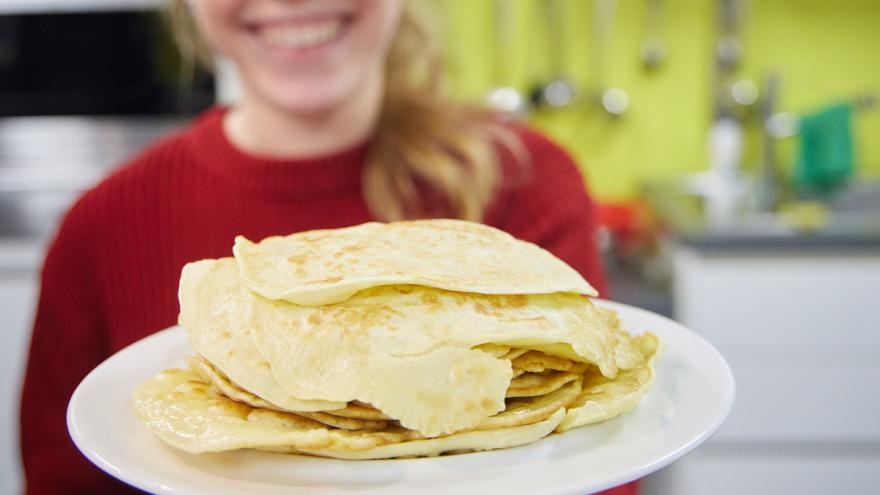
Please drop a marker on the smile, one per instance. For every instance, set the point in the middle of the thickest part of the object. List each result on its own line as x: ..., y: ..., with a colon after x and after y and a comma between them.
x: 304, y: 34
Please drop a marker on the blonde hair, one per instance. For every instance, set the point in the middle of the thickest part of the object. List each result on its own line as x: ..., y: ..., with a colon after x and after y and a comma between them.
x: 430, y: 155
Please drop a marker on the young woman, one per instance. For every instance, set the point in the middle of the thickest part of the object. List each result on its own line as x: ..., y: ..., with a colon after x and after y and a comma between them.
x: 340, y: 122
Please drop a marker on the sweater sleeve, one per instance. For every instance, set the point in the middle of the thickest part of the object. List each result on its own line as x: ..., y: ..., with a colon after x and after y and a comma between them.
x: 67, y: 342
x: 547, y: 203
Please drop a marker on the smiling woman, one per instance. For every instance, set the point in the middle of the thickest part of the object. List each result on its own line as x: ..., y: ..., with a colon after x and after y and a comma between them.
x: 351, y: 71
x: 304, y: 57
x: 341, y: 121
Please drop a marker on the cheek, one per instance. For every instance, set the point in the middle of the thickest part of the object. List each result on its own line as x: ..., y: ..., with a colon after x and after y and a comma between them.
x: 217, y: 22
x: 379, y: 25
x: 371, y: 40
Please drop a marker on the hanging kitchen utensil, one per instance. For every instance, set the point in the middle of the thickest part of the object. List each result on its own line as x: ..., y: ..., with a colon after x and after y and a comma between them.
x: 615, y: 101
x: 505, y: 96
x: 558, y: 92
x: 733, y: 96
x: 729, y: 46
x: 653, y: 46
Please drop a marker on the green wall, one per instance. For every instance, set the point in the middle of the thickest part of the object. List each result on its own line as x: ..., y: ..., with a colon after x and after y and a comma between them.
x: 823, y: 50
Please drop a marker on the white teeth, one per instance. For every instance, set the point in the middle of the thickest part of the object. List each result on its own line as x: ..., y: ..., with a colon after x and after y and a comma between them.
x: 302, y: 36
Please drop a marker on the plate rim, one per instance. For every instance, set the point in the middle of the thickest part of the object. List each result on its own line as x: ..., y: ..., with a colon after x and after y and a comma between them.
x: 727, y: 406
x: 134, y: 479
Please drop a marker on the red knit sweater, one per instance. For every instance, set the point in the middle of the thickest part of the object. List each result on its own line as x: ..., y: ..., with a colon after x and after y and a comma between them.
x: 110, y: 277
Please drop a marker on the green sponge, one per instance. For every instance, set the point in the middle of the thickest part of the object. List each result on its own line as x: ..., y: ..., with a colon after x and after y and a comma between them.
x: 825, y: 160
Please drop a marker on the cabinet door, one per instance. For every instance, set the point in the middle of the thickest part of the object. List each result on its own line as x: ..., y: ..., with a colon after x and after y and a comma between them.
x: 18, y: 292
x: 782, y: 471
x: 800, y: 332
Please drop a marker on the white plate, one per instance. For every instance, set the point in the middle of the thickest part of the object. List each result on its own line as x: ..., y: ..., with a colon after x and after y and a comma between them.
x: 691, y: 397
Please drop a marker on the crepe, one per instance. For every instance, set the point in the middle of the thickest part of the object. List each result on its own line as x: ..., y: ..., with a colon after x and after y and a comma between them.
x: 354, y: 419
x: 183, y: 410
x: 218, y: 330
x: 404, y: 349
x: 603, y: 399
x: 420, y: 338
x: 328, y: 266
x: 535, y: 384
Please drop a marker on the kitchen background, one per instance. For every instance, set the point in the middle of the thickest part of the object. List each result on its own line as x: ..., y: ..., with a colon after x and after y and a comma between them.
x: 733, y: 145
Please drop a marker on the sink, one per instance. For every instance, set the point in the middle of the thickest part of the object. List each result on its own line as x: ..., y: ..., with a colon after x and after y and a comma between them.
x: 689, y: 205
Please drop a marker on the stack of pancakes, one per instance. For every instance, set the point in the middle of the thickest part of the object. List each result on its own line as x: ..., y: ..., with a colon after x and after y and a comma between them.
x: 391, y: 340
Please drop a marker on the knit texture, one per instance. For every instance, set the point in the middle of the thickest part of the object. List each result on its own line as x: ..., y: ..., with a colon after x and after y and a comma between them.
x: 110, y: 277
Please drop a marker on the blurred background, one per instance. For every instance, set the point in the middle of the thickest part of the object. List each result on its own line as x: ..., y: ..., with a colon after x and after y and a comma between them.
x: 733, y: 147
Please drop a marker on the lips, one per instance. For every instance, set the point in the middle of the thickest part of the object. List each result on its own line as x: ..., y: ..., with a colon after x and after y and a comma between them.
x: 303, y: 33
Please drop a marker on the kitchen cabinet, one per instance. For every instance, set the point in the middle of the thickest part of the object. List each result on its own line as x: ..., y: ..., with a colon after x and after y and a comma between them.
x: 45, y: 163
x: 799, y: 327
x: 19, y: 263
x: 787, y: 472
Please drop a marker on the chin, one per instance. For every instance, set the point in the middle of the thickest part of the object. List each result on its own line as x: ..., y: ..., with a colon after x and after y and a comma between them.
x: 310, y: 98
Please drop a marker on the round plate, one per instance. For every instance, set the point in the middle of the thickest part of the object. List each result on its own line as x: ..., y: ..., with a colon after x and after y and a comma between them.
x: 690, y: 399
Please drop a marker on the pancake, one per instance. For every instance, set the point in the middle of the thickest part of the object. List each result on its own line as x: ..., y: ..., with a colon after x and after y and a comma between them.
x: 329, y: 266
x: 534, y: 384
x: 219, y: 331
x: 537, y: 362
x: 603, y: 399
x: 532, y: 409
x: 223, y: 386
x: 185, y: 413
x: 498, y: 351
x: 514, y: 353
x: 184, y: 410
x: 385, y: 344
x: 391, y: 340
x: 358, y: 410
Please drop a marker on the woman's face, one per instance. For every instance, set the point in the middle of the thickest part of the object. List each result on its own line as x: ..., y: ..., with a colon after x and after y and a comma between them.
x: 303, y: 56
